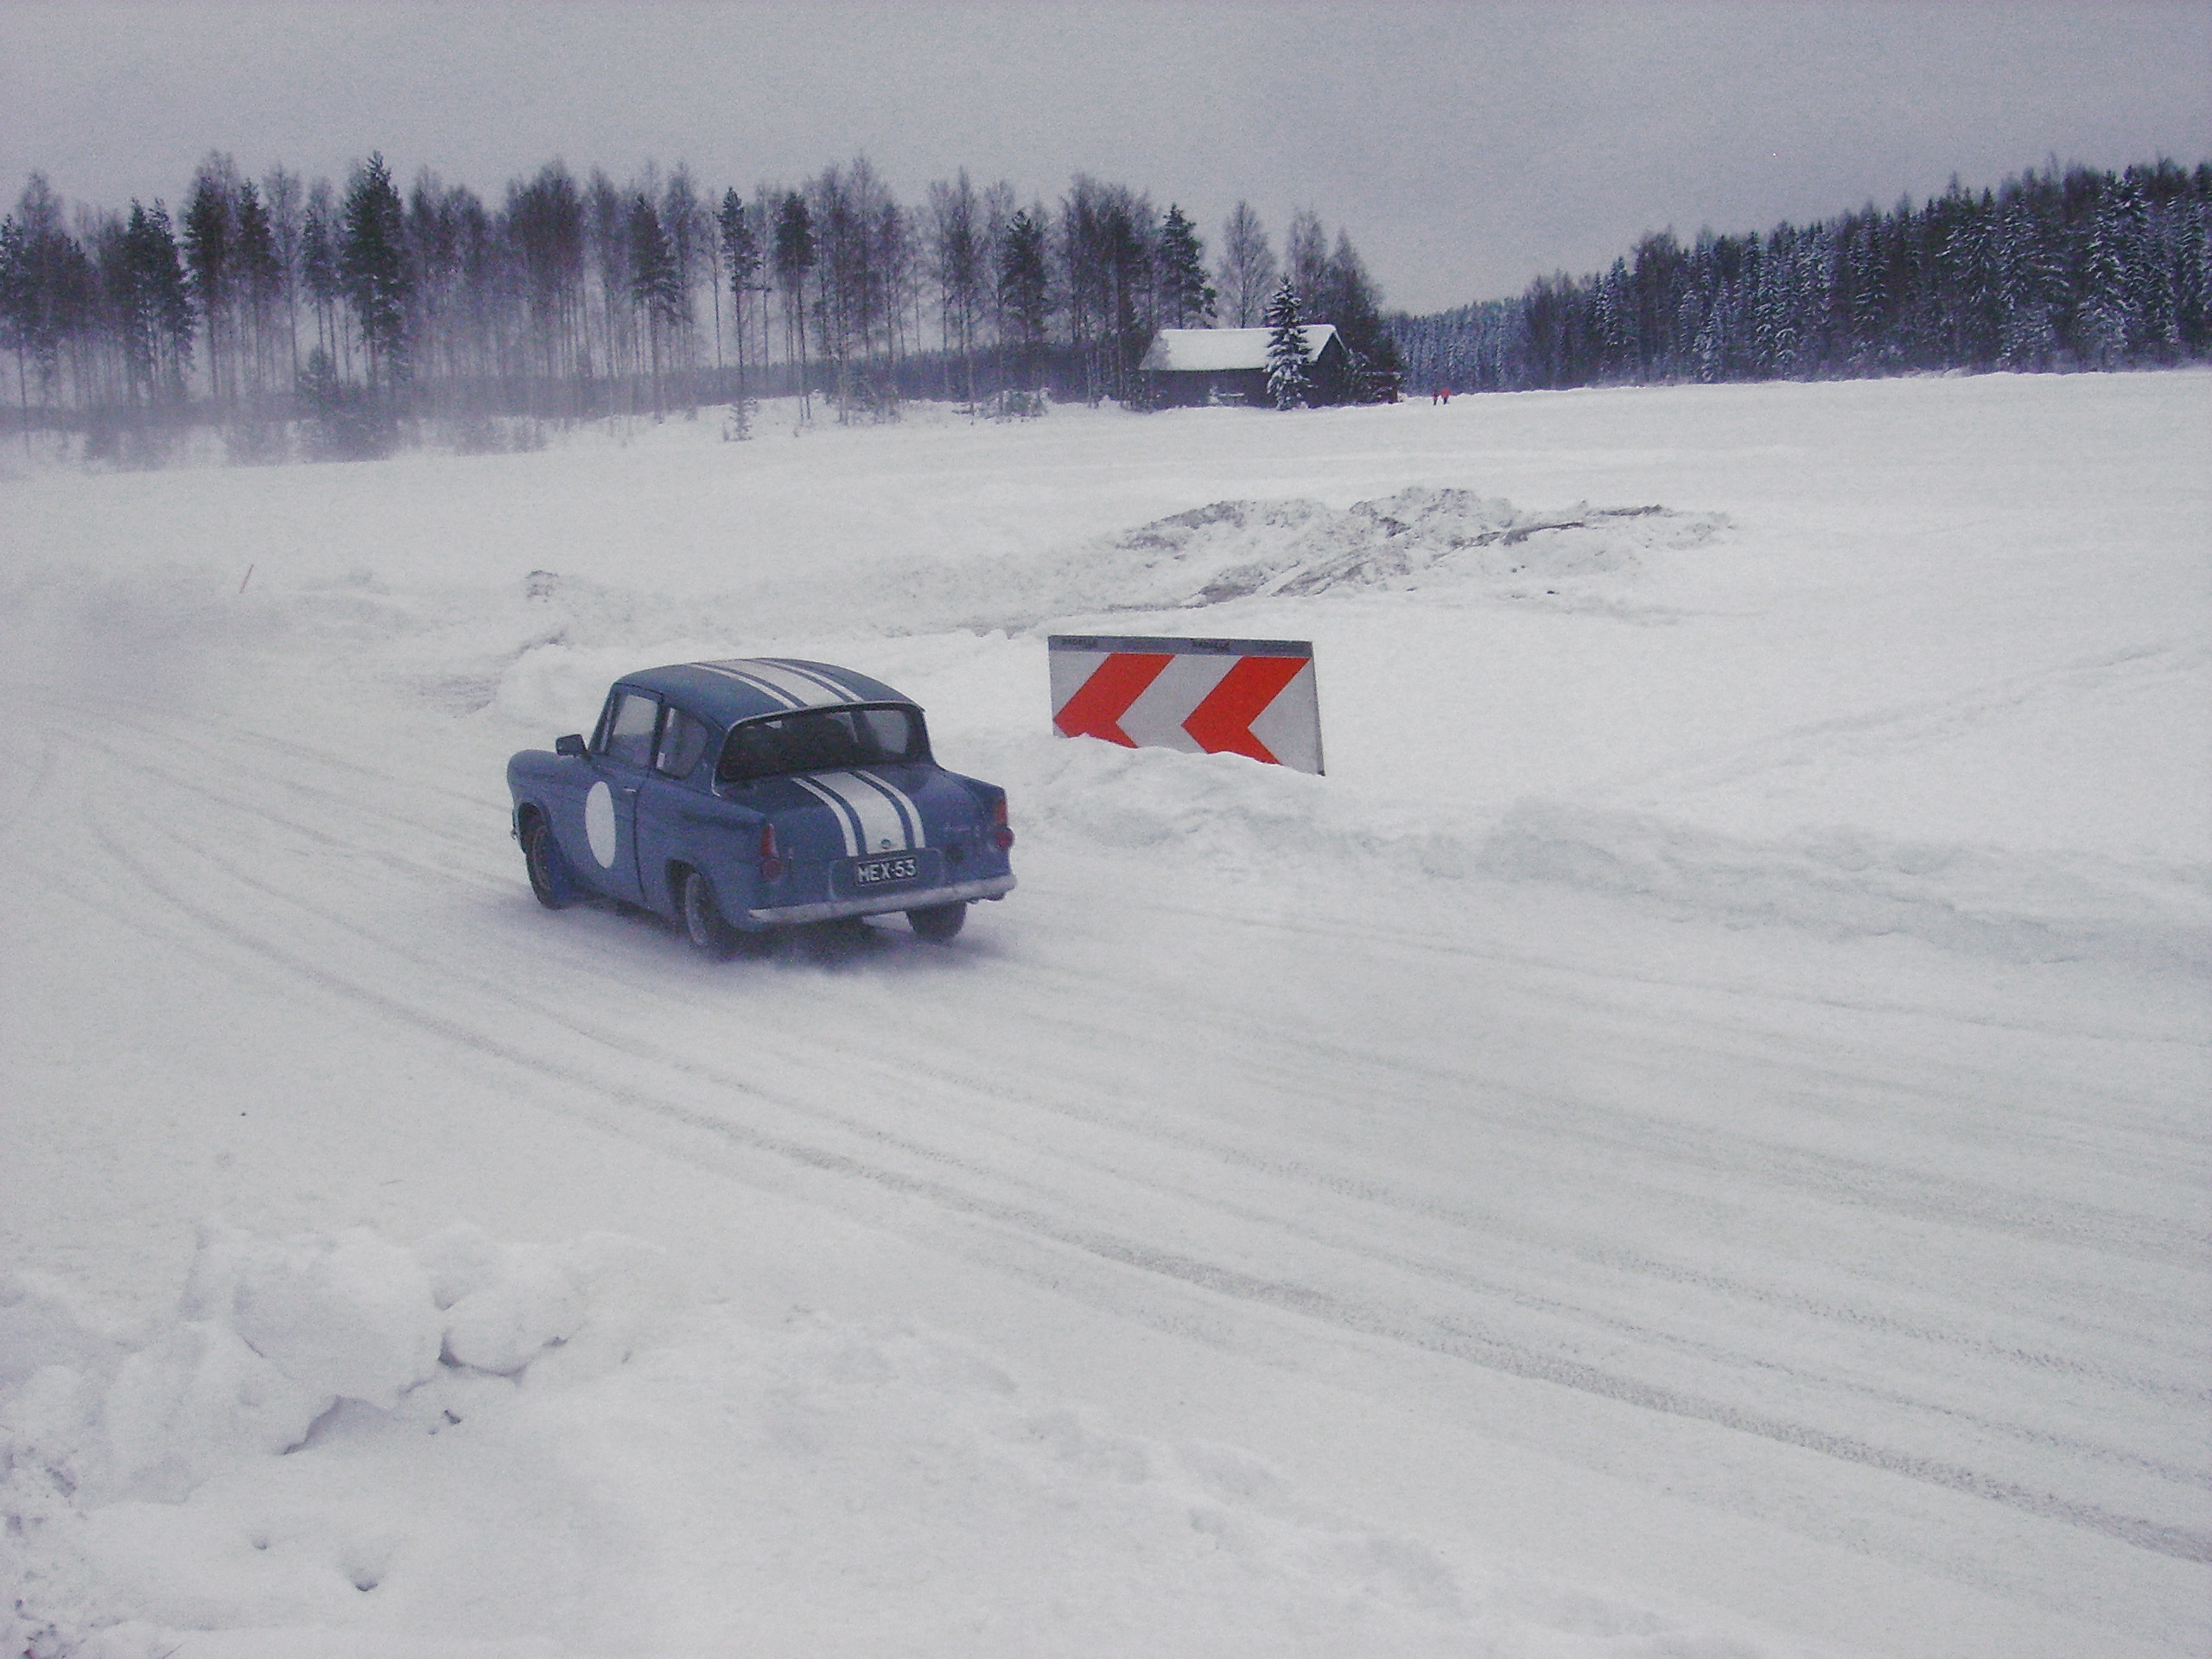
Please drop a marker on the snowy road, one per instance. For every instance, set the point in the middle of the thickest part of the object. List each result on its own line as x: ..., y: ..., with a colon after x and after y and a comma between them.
x: 1851, y: 1282
x: 1928, y: 1244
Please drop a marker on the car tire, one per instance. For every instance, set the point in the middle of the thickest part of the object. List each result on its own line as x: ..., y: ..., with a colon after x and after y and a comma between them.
x: 711, y: 935
x: 549, y: 878
x: 939, y: 923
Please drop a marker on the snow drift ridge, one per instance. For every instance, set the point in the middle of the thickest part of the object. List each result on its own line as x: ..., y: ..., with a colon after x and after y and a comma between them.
x: 1841, y: 880
x: 1296, y: 548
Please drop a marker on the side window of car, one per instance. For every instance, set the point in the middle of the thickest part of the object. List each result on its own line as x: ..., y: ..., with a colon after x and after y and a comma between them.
x: 683, y: 740
x: 629, y: 730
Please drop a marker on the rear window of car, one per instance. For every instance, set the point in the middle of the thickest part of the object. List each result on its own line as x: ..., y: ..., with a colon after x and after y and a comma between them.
x: 823, y: 739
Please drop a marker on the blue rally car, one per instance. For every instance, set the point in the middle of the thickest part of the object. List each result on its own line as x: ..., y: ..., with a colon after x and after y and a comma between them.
x: 740, y: 797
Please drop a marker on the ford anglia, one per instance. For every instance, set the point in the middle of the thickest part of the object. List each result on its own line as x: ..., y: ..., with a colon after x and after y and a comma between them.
x: 739, y: 797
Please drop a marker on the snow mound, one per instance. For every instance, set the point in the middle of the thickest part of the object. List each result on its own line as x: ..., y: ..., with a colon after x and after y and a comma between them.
x: 1443, y: 542
x: 1418, y: 538
x: 1245, y: 550
x: 548, y: 646
x: 273, y: 1343
x: 191, y: 1490
x: 1232, y: 815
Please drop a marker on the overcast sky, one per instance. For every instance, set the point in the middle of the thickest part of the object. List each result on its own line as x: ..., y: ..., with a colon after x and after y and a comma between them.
x: 1465, y: 148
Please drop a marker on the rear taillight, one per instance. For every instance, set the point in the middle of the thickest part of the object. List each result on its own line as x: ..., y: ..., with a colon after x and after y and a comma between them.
x: 1002, y: 836
x: 772, y: 865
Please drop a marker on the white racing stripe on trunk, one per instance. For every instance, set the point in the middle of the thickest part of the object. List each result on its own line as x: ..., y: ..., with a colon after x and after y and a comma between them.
x: 849, y: 822
x: 882, y: 823
x: 909, y: 813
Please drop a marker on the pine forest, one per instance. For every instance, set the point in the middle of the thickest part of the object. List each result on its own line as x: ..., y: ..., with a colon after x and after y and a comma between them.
x: 362, y: 312
x: 260, y: 302
x: 2070, y: 269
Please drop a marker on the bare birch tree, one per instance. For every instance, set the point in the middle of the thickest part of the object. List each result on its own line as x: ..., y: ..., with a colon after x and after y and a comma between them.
x: 1247, y: 271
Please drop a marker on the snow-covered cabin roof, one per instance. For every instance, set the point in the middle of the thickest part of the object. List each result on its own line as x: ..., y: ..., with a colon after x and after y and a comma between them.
x: 1214, y: 350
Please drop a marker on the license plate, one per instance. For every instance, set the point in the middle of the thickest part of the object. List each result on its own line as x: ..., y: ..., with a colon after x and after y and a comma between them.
x: 874, y: 872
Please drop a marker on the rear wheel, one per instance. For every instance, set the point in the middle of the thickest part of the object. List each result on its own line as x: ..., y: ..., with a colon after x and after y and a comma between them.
x: 550, y: 878
x: 938, y: 923
x: 711, y: 935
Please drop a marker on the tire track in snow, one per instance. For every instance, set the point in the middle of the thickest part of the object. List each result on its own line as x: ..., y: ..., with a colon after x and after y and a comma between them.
x: 1334, y: 1241
x: 1848, y: 1179
x: 1948, y: 1198
x: 31, y: 786
x: 1483, y: 1226
x: 972, y: 1202
x: 1917, y: 723
x: 1449, y: 1336
x: 1487, y: 1227
x: 1584, y: 977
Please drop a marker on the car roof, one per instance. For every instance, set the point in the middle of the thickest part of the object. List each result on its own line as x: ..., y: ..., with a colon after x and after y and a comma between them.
x: 742, y: 688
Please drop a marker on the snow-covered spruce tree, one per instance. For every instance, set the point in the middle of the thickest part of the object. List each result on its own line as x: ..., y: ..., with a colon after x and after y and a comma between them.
x: 1288, y: 386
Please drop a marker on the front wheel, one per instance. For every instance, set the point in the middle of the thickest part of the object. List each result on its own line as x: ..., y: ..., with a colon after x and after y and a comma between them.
x: 938, y: 923
x: 549, y: 879
x: 711, y: 935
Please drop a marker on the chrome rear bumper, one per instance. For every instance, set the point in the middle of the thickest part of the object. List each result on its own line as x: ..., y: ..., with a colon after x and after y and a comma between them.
x: 877, y: 904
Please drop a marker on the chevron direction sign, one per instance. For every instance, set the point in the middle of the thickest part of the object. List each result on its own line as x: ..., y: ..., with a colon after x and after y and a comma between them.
x: 1204, y: 697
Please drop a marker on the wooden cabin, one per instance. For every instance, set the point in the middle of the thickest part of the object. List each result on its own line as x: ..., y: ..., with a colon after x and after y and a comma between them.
x: 1188, y: 368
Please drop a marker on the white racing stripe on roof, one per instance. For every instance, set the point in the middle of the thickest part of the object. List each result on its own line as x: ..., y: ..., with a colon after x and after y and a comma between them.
x: 773, y: 693
x: 844, y: 693
x: 806, y: 690
x: 883, y: 822
x: 849, y: 822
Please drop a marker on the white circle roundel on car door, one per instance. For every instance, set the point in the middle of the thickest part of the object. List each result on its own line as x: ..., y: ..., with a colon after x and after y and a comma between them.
x: 599, y: 825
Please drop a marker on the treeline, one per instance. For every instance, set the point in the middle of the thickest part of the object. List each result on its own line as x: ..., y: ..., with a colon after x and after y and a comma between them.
x: 575, y: 296
x: 2078, y: 269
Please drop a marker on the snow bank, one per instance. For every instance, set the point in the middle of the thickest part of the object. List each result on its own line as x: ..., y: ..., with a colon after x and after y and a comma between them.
x: 1851, y: 882
x: 1448, y: 544
x: 1236, y: 816
x: 338, y: 1448
x: 1442, y: 541
x: 1420, y: 537
x: 272, y: 1344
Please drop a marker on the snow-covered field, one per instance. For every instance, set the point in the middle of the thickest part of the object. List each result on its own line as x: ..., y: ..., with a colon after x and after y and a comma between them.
x: 1692, y: 1140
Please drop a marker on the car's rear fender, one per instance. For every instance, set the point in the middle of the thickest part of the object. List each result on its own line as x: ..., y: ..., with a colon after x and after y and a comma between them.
x: 720, y: 839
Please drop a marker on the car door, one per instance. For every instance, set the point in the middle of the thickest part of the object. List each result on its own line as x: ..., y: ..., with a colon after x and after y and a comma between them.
x: 670, y: 805
x: 621, y: 763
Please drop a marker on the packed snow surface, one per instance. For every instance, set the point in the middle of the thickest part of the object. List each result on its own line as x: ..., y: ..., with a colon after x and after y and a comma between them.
x: 1691, y: 1140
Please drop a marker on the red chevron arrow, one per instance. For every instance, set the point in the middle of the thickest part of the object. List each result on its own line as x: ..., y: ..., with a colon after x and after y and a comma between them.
x: 1097, y: 708
x: 1222, y: 723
